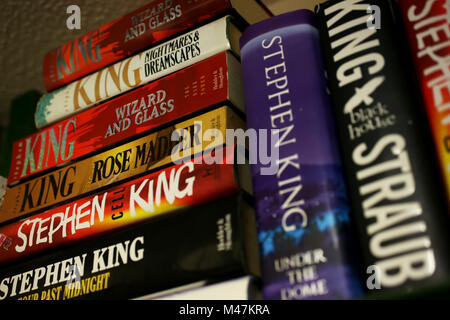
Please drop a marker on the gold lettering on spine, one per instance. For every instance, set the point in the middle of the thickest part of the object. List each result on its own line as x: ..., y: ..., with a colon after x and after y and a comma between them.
x: 115, y: 76
x: 80, y: 90
x: 115, y: 72
x: 136, y: 73
x: 97, y: 85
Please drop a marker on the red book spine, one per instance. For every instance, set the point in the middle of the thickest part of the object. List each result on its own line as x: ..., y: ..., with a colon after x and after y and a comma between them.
x: 164, y: 191
x: 157, y: 103
x: 428, y: 29
x: 122, y: 37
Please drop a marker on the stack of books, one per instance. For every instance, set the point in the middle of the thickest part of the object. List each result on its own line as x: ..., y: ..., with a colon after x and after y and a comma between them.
x: 128, y: 187
x: 308, y: 150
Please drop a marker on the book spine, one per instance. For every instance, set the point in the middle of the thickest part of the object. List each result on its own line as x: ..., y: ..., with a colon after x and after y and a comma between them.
x: 146, y: 66
x: 123, y: 37
x: 175, y: 96
x: 165, y: 191
x: 397, y: 200
x: 150, y: 152
x: 202, y: 243
x: 425, y: 22
x: 302, y: 207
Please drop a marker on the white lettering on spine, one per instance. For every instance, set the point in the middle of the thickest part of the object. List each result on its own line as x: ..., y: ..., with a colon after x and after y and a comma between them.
x: 398, y: 238
x: 391, y: 215
x: 356, y: 42
x: 169, y: 189
x: 282, y: 119
x: 112, y: 256
x: 80, y: 219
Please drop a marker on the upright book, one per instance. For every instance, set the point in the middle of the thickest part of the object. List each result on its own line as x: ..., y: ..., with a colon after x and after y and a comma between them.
x: 397, y: 199
x: 302, y: 208
x: 134, y: 32
x: 427, y: 27
x: 139, y: 69
x: 207, y: 242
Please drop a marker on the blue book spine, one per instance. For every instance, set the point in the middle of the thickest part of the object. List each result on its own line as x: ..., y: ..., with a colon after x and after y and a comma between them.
x: 304, y: 226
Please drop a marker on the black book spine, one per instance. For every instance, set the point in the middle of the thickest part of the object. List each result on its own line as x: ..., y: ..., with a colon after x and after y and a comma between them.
x: 396, y: 195
x: 201, y: 243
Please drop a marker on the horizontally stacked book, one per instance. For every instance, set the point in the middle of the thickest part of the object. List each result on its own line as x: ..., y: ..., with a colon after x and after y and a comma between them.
x: 120, y: 193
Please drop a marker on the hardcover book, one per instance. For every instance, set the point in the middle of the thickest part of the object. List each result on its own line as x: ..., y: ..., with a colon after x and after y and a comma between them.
x: 427, y: 28
x: 193, y: 89
x: 163, y: 192
x: 170, y: 144
x: 208, y: 242
x: 139, y: 69
x: 397, y: 200
x: 302, y: 208
x: 134, y: 32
